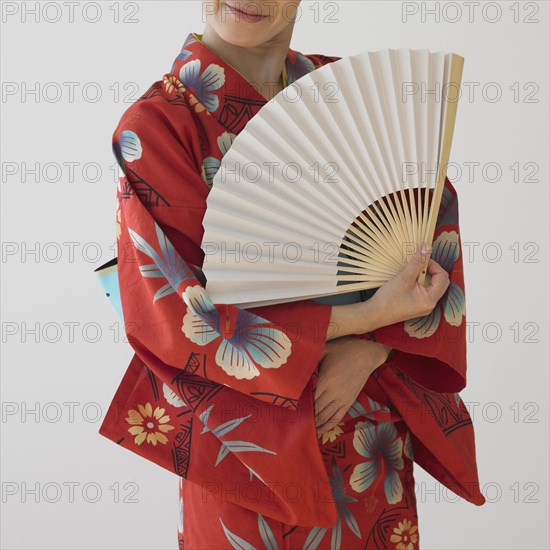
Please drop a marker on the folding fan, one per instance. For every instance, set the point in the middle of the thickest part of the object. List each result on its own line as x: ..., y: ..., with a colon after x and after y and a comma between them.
x: 335, y: 182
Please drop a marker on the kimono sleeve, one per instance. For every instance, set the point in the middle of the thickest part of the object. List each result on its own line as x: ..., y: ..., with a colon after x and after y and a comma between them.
x: 267, y: 352
x: 432, y: 349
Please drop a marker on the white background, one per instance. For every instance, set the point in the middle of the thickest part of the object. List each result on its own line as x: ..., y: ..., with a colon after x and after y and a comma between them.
x: 48, y: 289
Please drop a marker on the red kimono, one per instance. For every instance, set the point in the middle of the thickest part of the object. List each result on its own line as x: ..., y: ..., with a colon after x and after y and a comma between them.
x: 210, y: 397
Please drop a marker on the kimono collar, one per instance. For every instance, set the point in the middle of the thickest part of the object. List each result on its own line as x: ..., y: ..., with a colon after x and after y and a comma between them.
x: 215, y: 86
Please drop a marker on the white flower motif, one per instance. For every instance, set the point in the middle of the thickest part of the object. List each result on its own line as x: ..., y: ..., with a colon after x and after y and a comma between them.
x: 246, y: 343
x: 171, y: 396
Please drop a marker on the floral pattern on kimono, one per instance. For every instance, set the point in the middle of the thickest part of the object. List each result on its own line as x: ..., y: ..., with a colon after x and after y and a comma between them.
x: 235, y: 387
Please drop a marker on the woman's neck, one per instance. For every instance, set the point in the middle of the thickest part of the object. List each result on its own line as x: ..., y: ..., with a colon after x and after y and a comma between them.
x: 260, y: 65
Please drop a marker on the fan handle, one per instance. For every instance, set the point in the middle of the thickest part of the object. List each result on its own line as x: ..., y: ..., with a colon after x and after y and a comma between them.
x: 451, y: 107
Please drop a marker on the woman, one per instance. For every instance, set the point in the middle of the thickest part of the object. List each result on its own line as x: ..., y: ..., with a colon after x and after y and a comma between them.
x: 311, y: 450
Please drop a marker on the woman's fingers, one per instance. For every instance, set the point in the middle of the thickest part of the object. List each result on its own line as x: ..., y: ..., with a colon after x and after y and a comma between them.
x: 331, y: 421
x: 434, y: 268
x: 324, y: 409
x: 439, y: 279
x: 416, y: 264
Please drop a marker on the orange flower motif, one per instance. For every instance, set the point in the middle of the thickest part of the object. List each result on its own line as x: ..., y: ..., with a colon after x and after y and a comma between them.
x: 333, y: 433
x: 148, y: 425
x: 404, y: 535
x: 196, y: 104
x: 172, y: 83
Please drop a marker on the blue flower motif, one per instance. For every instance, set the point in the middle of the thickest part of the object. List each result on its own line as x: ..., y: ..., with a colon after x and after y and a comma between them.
x: 203, y: 85
x: 211, y: 165
x: 249, y: 344
x: 183, y: 55
x: 448, y: 209
x: 383, y: 448
x: 452, y: 304
x: 127, y: 149
x: 245, y: 344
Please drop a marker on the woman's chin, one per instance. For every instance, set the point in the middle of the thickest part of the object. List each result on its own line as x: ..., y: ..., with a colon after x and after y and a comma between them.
x: 240, y: 35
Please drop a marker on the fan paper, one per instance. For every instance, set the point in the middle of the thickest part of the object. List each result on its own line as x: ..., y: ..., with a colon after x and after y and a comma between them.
x: 335, y: 183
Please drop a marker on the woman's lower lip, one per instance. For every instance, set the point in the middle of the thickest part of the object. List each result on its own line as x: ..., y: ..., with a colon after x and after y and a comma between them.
x: 244, y: 15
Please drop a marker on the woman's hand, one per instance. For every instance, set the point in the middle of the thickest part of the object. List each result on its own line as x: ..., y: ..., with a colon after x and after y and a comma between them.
x: 344, y: 369
x: 399, y: 299
x: 402, y: 297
